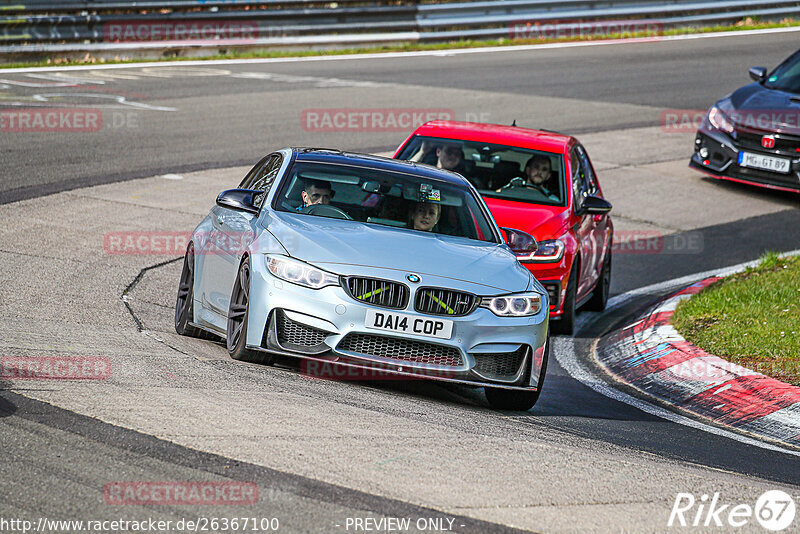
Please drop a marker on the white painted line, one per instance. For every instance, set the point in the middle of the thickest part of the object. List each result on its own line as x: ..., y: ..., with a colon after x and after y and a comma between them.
x: 420, y: 53
x: 569, y: 361
x: 577, y: 370
x: 661, y: 287
x: 172, y: 177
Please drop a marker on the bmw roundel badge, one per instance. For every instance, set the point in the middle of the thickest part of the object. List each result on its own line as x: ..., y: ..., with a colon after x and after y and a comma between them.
x: 413, y: 278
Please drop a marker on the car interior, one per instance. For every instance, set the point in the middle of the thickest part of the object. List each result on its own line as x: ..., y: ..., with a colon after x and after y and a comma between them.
x: 491, y: 169
x: 385, y: 199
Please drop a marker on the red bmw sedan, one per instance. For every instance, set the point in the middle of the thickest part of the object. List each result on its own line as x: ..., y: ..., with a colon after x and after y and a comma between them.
x: 542, y: 183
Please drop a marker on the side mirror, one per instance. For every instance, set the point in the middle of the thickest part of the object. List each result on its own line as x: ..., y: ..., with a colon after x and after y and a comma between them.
x: 520, y: 243
x: 239, y: 200
x: 593, y: 205
x: 758, y: 74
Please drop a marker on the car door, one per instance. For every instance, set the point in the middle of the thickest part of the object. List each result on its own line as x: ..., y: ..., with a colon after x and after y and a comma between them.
x: 232, y: 233
x: 585, y: 227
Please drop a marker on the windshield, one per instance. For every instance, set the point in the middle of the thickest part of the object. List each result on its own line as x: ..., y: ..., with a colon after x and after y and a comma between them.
x: 384, y: 198
x: 787, y: 76
x: 497, y: 171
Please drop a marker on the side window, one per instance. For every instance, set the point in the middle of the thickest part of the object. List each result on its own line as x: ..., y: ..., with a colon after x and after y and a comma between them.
x: 578, y: 177
x: 263, y: 176
x: 591, y: 181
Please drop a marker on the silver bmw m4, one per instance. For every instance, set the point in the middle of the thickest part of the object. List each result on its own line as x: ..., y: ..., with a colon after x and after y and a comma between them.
x: 368, y: 263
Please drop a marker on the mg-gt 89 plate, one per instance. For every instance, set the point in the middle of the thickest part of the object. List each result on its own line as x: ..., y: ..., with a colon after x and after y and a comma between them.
x: 409, y: 324
x: 767, y: 163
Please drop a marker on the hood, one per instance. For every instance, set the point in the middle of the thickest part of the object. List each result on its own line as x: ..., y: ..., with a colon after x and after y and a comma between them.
x: 333, y: 241
x: 542, y: 222
x: 757, y: 107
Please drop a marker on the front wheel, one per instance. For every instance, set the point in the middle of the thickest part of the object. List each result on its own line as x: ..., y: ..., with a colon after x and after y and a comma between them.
x: 238, y: 315
x: 566, y: 324
x: 519, y: 401
x: 599, y: 297
x: 509, y: 399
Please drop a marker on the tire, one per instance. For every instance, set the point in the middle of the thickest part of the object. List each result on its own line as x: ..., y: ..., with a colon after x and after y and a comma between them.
x: 566, y: 324
x: 184, y: 305
x: 599, y: 297
x: 238, y: 315
x: 518, y: 401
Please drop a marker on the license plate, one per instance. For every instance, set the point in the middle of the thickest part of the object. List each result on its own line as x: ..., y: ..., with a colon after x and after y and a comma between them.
x: 409, y: 324
x: 767, y: 163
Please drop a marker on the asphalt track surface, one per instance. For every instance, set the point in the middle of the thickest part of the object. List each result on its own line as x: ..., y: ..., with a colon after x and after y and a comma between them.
x: 55, y: 459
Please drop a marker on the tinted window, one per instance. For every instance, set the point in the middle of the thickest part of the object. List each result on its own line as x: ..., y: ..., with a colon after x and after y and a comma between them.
x: 588, y: 172
x: 384, y: 198
x: 787, y: 76
x: 497, y: 171
x: 262, y: 176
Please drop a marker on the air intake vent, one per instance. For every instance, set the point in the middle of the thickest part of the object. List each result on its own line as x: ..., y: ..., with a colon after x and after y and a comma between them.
x: 383, y: 293
x: 401, y: 349
x: 502, y: 366
x: 444, y: 302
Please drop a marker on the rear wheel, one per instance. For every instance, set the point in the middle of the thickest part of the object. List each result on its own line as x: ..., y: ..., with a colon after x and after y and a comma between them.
x: 238, y: 315
x: 566, y: 324
x: 184, y: 306
x: 599, y: 297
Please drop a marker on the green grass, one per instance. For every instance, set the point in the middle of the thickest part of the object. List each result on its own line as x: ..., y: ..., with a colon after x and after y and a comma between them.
x: 750, y: 23
x: 751, y: 318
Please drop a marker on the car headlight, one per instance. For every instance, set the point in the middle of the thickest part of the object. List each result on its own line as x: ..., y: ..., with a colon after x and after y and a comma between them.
x: 300, y: 273
x: 718, y: 120
x: 519, y: 305
x: 550, y: 250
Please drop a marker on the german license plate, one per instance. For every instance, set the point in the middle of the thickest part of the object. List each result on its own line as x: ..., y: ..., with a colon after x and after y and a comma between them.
x: 767, y: 163
x: 409, y: 324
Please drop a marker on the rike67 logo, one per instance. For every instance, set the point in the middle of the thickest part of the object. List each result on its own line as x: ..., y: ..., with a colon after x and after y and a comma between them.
x: 774, y: 511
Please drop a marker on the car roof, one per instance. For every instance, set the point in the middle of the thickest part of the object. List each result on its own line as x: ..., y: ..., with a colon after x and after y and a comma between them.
x: 329, y: 155
x: 497, y: 134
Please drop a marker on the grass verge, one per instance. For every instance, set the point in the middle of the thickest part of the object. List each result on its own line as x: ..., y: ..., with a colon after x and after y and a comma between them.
x: 750, y: 23
x: 751, y: 318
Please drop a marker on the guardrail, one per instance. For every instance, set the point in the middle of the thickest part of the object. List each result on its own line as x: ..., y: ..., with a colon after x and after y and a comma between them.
x: 46, y: 26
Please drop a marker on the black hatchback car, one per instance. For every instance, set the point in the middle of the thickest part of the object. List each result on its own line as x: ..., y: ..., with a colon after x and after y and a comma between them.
x: 753, y: 134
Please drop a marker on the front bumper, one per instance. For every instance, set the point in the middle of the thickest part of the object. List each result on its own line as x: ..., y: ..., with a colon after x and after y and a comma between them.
x: 554, y: 278
x: 328, y: 326
x: 721, y: 161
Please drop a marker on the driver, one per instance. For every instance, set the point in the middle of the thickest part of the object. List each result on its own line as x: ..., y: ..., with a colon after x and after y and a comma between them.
x: 424, y: 216
x: 538, y: 174
x: 316, y: 192
x: 538, y: 171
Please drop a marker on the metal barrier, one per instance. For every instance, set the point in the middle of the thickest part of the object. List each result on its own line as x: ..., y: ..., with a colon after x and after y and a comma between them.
x: 106, y: 25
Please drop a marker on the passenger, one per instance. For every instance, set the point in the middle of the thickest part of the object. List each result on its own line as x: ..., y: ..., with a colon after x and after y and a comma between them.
x: 424, y: 216
x: 316, y: 192
x: 450, y: 157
